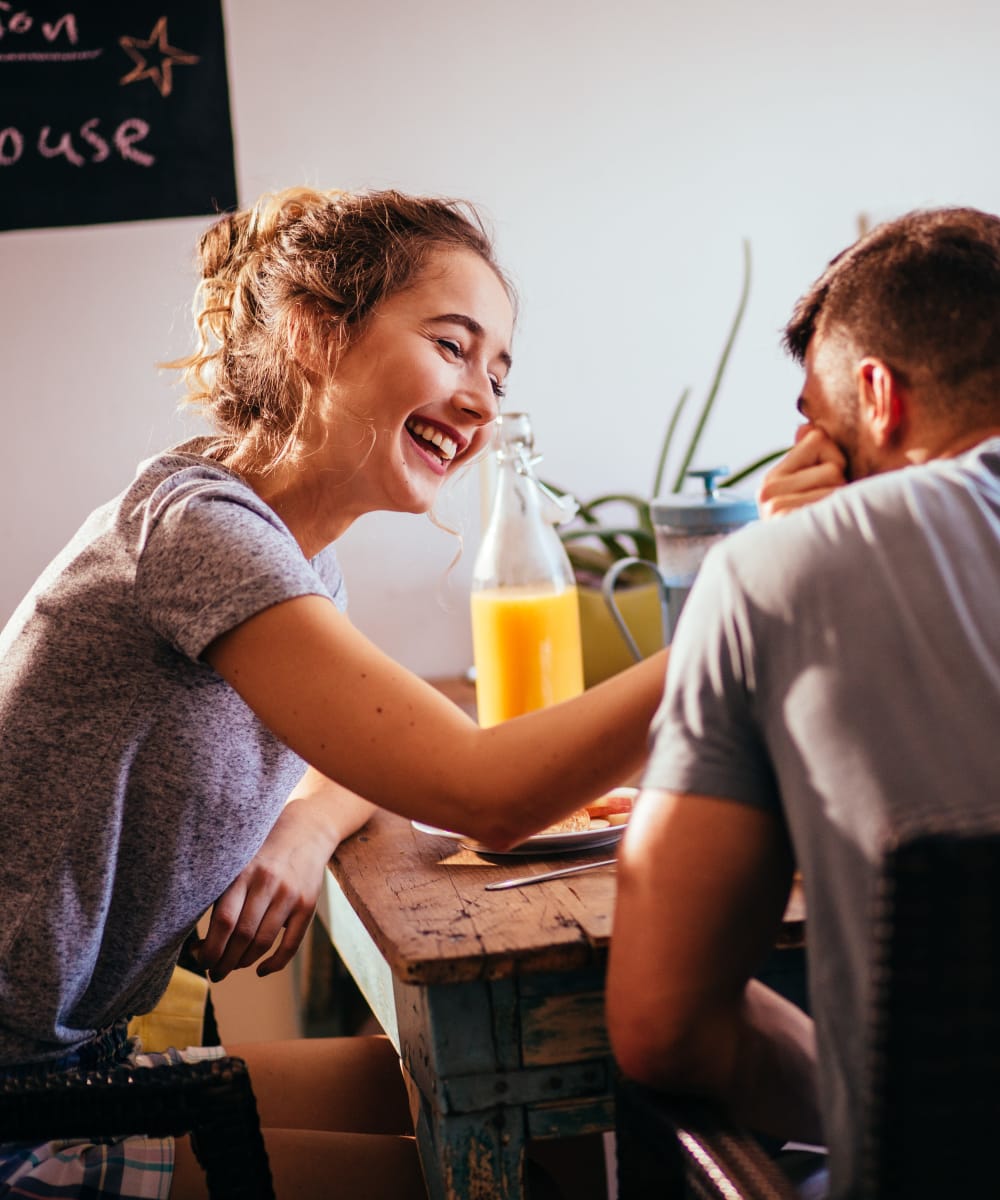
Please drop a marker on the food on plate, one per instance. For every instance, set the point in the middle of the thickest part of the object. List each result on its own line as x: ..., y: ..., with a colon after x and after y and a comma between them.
x: 574, y: 823
x: 613, y: 808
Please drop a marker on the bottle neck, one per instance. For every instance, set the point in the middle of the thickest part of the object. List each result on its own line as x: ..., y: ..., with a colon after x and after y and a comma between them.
x: 520, y: 546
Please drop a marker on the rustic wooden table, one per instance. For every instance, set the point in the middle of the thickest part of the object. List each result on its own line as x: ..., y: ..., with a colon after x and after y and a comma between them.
x: 494, y: 1000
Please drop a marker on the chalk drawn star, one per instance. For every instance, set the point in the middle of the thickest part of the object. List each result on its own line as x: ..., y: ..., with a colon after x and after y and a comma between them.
x: 161, y: 72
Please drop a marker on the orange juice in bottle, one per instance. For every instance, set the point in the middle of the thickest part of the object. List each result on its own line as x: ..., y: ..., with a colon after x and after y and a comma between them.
x: 526, y: 646
x: 525, y: 614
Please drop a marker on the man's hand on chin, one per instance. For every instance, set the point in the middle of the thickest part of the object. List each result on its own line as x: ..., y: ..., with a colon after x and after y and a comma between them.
x: 813, y: 468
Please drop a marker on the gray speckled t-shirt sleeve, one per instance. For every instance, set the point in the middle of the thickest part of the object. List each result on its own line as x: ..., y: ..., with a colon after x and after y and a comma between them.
x: 136, y: 783
x: 210, y: 555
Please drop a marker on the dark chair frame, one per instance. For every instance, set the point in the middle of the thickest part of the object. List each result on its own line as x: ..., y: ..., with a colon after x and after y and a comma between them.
x: 672, y: 1147
x: 212, y: 1100
x: 932, y: 1085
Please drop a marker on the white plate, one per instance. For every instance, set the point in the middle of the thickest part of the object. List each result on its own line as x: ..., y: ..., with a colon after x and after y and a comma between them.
x: 574, y: 841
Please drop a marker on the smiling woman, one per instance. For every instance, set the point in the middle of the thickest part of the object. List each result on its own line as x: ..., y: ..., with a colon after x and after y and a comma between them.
x: 291, y: 284
x: 222, y: 724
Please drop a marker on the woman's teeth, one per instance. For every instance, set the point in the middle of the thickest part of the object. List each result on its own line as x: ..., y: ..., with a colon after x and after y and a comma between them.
x: 445, y: 446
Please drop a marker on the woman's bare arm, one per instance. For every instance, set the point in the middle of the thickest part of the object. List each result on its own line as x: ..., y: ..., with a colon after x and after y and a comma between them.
x: 364, y: 721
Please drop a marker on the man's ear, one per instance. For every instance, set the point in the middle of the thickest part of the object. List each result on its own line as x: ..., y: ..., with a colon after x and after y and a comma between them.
x: 881, y: 400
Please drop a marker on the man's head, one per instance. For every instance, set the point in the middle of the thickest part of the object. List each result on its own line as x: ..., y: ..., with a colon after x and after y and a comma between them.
x: 912, y: 309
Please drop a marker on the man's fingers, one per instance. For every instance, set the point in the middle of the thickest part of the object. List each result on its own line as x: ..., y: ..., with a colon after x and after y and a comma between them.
x: 812, y: 446
x: 787, y: 504
x: 822, y: 475
x: 814, y: 467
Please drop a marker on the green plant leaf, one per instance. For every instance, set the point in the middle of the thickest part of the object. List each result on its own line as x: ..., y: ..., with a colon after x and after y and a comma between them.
x: 750, y: 468
x: 643, y: 543
x: 706, y: 408
x: 636, y: 501
x: 592, y: 547
x: 668, y: 439
x: 588, y: 512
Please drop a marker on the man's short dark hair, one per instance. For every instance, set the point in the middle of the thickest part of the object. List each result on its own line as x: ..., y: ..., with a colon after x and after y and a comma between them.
x: 922, y: 293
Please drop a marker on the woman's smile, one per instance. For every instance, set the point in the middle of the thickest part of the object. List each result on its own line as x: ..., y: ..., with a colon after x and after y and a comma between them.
x: 438, y: 445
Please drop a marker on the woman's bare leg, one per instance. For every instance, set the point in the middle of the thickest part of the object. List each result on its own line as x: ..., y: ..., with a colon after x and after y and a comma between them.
x: 351, y: 1084
x: 336, y: 1108
x: 330, y: 1109
x: 310, y: 1164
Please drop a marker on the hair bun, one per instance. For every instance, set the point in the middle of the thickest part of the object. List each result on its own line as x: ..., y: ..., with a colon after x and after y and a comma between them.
x: 226, y: 246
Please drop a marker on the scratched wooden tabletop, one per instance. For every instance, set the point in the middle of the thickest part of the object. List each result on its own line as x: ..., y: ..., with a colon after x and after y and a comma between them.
x: 423, y: 901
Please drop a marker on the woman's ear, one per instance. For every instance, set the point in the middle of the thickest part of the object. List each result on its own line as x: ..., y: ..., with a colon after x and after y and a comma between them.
x: 882, y: 400
x: 315, y: 355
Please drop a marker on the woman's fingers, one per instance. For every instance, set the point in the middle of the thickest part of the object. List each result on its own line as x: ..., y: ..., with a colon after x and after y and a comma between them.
x: 250, y: 915
x: 244, y: 923
x: 291, y: 939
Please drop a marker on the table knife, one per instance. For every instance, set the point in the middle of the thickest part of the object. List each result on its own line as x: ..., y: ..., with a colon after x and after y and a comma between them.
x: 523, y: 882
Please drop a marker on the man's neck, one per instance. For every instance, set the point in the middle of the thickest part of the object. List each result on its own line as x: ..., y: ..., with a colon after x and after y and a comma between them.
x: 950, y: 444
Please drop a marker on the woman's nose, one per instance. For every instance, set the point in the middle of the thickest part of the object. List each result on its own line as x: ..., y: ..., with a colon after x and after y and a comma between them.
x: 480, y: 403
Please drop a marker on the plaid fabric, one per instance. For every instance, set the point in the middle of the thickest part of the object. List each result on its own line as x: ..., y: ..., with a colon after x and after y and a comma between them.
x: 136, y: 1168
x: 128, y: 1168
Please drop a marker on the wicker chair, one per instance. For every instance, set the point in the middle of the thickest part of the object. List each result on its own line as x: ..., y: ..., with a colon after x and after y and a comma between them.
x: 211, y: 1100
x: 932, y: 1093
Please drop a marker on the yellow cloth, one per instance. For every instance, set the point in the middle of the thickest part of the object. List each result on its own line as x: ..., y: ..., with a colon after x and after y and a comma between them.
x: 178, y: 1018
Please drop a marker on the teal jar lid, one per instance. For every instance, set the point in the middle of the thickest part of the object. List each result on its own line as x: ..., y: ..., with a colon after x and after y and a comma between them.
x: 713, y: 512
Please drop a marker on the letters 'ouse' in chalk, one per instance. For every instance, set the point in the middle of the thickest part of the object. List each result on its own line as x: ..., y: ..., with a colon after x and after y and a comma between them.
x: 113, y: 112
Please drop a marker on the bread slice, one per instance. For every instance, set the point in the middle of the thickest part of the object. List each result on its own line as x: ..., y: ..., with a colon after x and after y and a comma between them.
x: 574, y: 823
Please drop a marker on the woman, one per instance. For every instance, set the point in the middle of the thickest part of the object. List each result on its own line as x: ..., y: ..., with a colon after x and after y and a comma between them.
x: 181, y: 661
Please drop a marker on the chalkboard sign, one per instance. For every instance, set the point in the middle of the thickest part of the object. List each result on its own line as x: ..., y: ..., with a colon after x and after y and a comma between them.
x: 113, y: 111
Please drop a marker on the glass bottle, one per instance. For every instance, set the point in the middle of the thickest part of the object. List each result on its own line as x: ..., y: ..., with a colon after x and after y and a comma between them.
x: 525, y: 614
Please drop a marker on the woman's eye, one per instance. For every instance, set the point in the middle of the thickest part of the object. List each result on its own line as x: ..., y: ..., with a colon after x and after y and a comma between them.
x: 453, y: 348
x: 499, y: 388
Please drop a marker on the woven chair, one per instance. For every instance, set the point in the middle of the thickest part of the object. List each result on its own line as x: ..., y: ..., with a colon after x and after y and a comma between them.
x: 211, y: 1100
x: 932, y: 1091
x: 670, y: 1147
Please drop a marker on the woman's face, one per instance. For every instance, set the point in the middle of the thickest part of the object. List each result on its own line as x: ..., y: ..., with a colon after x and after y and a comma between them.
x: 416, y: 394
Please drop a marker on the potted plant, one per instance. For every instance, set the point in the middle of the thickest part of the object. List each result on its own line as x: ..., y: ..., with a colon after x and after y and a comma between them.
x: 594, y: 543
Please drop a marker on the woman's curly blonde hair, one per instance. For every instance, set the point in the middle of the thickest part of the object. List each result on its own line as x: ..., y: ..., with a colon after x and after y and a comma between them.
x: 324, y: 260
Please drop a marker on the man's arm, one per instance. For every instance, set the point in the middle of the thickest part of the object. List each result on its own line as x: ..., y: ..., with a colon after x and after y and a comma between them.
x: 702, y: 887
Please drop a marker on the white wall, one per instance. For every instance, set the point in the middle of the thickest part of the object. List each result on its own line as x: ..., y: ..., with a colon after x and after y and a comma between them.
x: 622, y: 150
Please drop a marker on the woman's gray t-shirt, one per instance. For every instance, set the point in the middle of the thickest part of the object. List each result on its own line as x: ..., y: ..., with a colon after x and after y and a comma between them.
x: 135, y: 784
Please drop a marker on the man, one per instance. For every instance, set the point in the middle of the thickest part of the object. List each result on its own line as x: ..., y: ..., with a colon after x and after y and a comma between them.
x: 835, y: 674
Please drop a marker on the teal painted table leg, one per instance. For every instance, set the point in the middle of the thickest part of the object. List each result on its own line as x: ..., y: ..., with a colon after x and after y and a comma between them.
x: 459, y: 1043
x: 472, y: 1156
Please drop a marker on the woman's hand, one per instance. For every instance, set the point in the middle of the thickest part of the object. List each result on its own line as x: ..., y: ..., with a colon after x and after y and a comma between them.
x: 813, y: 468
x: 276, y: 893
